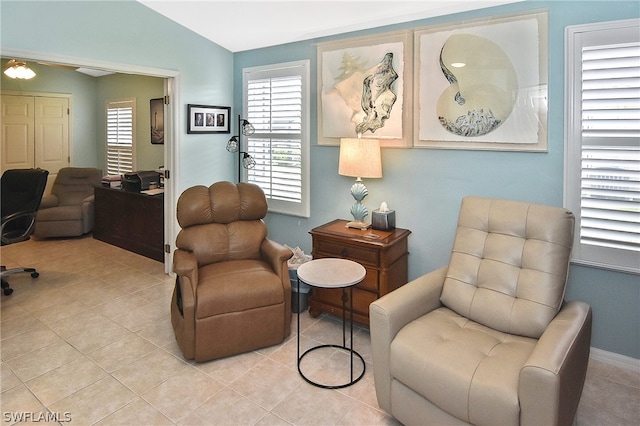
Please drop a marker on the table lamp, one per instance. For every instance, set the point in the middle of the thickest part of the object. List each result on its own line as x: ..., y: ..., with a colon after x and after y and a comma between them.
x: 359, y: 158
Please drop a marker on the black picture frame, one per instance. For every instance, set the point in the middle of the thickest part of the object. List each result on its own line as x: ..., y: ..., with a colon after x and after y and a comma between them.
x: 156, y: 120
x: 208, y: 119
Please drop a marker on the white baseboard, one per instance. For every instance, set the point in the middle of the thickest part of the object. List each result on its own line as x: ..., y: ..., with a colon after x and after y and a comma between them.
x: 615, y: 359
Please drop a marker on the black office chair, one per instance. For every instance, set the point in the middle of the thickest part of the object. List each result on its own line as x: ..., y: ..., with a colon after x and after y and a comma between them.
x: 22, y: 191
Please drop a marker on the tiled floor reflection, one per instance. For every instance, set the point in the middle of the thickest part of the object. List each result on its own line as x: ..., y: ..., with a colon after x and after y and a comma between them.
x: 90, y: 341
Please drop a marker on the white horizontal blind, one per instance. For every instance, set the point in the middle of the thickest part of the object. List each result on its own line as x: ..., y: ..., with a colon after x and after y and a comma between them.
x: 610, y: 207
x: 607, y: 135
x: 120, y: 136
x: 276, y: 105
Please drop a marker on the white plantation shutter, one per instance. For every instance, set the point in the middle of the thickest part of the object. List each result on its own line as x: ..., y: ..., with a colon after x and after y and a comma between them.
x: 120, y: 136
x: 276, y: 103
x: 603, y: 152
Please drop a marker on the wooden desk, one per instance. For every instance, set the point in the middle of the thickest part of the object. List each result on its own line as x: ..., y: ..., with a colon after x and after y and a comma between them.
x: 130, y: 220
x: 384, y: 254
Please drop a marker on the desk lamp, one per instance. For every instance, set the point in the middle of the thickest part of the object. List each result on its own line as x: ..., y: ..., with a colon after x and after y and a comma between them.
x: 359, y: 158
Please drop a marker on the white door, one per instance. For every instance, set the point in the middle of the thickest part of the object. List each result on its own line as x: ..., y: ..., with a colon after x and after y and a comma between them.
x: 51, y: 134
x: 35, y: 133
x: 17, y: 137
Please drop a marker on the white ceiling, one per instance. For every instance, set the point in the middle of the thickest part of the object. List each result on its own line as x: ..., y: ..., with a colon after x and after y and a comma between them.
x: 244, y: 25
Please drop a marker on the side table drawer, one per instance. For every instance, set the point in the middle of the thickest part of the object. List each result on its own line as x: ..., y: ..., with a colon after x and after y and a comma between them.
x: 347, y: 251
x: 370, y: 281
x: 361, y: 298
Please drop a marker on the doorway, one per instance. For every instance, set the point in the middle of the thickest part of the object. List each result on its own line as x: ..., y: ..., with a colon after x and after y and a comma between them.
x: 171, y: 90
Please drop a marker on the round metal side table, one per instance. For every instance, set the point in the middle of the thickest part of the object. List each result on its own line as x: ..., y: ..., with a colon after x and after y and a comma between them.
x: 333, y: 273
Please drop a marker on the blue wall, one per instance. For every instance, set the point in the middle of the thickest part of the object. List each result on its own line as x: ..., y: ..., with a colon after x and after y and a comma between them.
x: 127, y: 32
x: 425, y: 186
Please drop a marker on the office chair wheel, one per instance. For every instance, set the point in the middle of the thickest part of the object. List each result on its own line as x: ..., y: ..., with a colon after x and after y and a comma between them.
x: 5, y: 288
x: 35, y: 274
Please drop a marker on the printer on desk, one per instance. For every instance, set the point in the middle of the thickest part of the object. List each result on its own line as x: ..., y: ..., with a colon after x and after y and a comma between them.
x: 140, y: 181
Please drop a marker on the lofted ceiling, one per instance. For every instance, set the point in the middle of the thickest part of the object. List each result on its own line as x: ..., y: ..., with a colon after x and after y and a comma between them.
x: 244, y: 25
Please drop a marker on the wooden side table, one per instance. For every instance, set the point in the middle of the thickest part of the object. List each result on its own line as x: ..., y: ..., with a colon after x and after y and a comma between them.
x: 384, y: 254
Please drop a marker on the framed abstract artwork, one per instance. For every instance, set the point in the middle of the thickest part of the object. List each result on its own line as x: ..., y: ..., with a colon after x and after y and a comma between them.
x: 365, y: 88
x: 483, y: 84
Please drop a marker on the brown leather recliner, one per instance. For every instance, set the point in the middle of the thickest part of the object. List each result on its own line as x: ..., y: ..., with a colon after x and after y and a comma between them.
x: 489, y: 339
x: 232, y: 292
x: 68, y: 210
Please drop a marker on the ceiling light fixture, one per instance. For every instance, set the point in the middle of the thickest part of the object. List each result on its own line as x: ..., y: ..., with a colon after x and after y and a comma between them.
x: 18, y: 69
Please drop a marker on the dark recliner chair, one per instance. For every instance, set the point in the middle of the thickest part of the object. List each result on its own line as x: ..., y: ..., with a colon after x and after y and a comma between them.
x: 22, y: 191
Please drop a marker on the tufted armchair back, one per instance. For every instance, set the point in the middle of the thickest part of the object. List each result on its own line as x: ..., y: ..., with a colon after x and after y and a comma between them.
x: 222, y: 222
x: 509, y: 264
x: 74, y: 184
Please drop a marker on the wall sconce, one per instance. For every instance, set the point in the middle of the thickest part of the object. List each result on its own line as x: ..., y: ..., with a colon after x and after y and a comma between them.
x: 359, y: 158
x: 235, y: 145
x: 18, y: 69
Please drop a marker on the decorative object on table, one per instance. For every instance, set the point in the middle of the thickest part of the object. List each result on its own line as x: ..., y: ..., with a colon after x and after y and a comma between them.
x: 18, y: 69
x: 156, y: 120
x: 383, y: 219
x: 208, y: 119
x: 359, y: 158
x: 235, y: 145
x: 365, y: 86
x: 478, y: 89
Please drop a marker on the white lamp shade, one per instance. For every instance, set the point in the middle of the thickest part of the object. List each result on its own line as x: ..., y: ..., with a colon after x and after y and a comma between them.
x: 360, y: 158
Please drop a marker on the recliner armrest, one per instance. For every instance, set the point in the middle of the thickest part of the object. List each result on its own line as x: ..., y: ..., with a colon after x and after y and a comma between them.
x: 89, y: 200
x: 389, y: 314
x: 276, y: 255
x: 552, y: 379
x: 410, y: 301
x: 186, y: 264
x: 48, y: 201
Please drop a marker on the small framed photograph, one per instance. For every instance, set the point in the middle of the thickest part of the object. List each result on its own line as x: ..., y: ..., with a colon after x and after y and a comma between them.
x: 208, y: 119
x: 156, y: 118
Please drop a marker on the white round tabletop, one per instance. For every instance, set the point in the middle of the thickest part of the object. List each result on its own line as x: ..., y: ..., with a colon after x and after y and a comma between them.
x: 331, y: 273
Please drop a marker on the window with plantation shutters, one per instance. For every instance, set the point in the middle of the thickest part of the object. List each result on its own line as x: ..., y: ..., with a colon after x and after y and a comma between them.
x: 277, y: 104
x: 120, y: 136
x: 602, y: 185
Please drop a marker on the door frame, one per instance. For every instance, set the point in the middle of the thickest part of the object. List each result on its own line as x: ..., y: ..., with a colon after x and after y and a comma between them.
x: 172, y: 115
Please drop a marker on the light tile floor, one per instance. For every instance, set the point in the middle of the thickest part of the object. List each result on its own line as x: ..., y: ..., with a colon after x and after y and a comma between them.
x: 90, y: 342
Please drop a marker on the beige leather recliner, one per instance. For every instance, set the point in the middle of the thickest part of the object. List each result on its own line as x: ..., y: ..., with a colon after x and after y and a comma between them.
x: 489, y: 339
x: 68, y: 210
x: 233, y: 292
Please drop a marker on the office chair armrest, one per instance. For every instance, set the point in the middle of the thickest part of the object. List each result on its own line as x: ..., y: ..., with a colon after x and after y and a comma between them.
x: 48, y: 201
x: 12, y: 237
x: 186, y: 264
x: 552, y: 379
x: 276, y: 255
